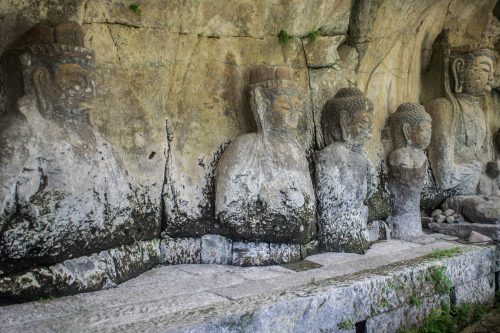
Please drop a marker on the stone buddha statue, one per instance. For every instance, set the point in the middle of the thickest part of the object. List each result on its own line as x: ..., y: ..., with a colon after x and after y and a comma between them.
x: 344, y: 175
x: 63, y: 190
x: 460, y: 138
x: 411, y: 134
x: 263, y: 186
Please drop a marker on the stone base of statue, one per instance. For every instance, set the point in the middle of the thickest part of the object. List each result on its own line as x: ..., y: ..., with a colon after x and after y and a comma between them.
x: 346, y: 231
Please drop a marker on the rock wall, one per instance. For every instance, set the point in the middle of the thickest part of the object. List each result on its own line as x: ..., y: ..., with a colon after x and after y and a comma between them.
x: 172, y: 76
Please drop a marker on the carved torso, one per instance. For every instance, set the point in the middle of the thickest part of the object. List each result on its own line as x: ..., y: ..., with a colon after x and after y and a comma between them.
x: 470, y: 131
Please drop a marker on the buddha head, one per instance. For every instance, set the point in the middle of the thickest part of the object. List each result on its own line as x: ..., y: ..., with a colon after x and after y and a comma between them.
x: 347, y: 117
x: 472, y: 70
x: 411, y: 126
x: 57, y: 70
x: 275, y: 99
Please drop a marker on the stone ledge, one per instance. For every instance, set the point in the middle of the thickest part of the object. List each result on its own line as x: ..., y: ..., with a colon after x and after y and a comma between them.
x: 464, y: 229
x: 214, y: 298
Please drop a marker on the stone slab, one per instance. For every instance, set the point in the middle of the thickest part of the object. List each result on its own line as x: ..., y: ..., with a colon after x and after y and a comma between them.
x: 464, y: 229
x: 215, y: 298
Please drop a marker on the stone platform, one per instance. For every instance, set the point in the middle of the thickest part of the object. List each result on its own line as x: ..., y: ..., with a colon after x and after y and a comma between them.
x: 394, y: 285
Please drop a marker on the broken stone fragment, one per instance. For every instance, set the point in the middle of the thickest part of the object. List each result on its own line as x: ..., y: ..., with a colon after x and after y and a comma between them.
x: 450, y: 219
x: 476, y: 237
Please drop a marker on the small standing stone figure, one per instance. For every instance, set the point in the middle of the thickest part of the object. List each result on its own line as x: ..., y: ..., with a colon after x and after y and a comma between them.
x: 411, y: 134
x: 263, y: 186
x: 344, y: 175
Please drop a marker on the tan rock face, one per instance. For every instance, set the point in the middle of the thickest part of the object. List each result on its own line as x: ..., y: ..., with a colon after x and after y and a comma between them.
x: 188, y: 62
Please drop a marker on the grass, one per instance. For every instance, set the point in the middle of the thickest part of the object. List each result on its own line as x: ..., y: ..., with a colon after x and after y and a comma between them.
x: 136, y: 8
x: 444, y: 253
x: 46, y: 298
x: 284, y: 37
x: 442, y: 283
x: 346, y: 324
x: 313, y: 35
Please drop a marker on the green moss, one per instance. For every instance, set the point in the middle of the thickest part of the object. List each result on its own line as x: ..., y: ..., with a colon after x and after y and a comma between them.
x: 384, y: 303
x: 444, y: 253
x: 442, y: 283
x: 415, y: 301
x: 346, y: 324
x: 450, y: 319
x: 284, y: 37
x: 136, y: 8
x: 313, y: 35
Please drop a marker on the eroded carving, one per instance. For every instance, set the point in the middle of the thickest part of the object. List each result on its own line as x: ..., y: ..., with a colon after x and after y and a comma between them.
x: 411, y: 134
x: 460, y: 142
x: 344, y: 175
x: 263, y: 187
x: 64, y: 191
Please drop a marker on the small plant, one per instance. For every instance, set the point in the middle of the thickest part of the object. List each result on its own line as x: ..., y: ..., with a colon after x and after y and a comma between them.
x: 313, y: 35
x: 444, y: 253
x: 346, y: 324
x: 284, y: 37
x: 46, y: 298
x: 415, y: 301
x: 384, y: 303
x: 442, y: 283
x: 136, y: 8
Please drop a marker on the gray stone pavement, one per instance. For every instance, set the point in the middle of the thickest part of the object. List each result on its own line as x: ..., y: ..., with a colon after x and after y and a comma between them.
x: 170, y: 298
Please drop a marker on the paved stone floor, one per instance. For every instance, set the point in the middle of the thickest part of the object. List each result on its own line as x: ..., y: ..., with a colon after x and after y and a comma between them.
x: 169, y: 296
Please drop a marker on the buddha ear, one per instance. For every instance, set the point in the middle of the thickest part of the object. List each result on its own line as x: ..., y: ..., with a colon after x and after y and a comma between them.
x: 457, y: 67
x: 344, y: 123
x: 407, y: 132
x: 40, y: 82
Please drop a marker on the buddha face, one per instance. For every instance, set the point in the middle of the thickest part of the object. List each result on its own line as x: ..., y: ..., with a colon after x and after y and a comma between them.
x: 358, y: 128
x: 420, y: 136
x: 72, y: 89
x: 476, y: 78
x: 284, y: 108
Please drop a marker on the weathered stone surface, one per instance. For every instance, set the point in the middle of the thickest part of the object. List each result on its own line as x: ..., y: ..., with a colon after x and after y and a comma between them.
x: 322, y: 51
x: 479, y: 291
x: 411, y: 134
x: 251, y: 254
x: 344, y: 175
x: 309, y: 249
x: 284, y: 253
x: 180, y: 251
x: 264, y: 191
x: 87, y: 273
x: 216, y: 249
